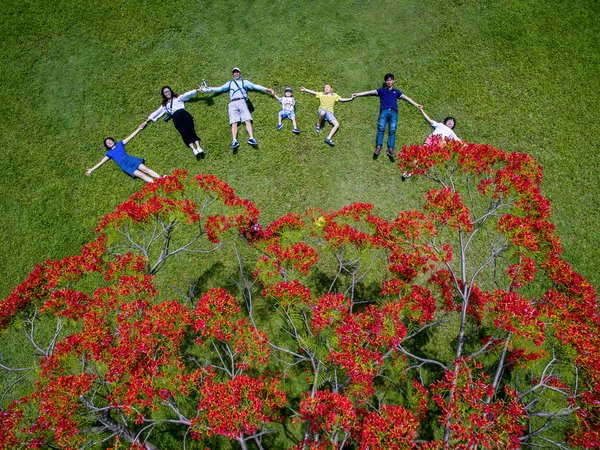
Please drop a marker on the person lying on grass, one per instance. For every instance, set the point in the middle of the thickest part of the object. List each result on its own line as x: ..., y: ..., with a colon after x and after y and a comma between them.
x: 440, y: 130
x: 132, y: 166
x: 288, y: 109
x: 444, y: 130
x: 173, y: 105
x: 388, y: 113
x: 327, y: 100
x: 239, y: 105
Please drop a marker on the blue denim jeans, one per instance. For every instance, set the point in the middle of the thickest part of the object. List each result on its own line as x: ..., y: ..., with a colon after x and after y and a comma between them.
x: 387, y: 116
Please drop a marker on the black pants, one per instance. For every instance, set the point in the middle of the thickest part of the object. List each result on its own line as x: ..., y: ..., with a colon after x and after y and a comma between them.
x: 184, y: 122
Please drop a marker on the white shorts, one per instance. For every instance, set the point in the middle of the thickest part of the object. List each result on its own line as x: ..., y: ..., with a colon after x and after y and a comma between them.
x: 238, y: 112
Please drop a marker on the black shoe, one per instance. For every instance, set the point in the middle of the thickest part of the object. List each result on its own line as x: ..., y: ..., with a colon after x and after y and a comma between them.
x: 200, y: 156
x: 390, y: 155
x: 377, y: 152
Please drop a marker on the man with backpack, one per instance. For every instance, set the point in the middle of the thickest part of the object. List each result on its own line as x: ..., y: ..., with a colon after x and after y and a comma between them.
x: 240, y: 107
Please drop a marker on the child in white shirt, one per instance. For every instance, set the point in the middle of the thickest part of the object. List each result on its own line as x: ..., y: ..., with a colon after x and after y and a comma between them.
x: 288, y: 104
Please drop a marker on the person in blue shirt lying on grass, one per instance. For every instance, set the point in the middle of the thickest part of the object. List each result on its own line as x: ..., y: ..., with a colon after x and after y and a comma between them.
x: 388, y: 113
x: 132, y: 166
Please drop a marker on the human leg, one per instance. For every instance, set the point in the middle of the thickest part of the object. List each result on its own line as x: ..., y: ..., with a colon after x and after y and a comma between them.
x: 235, y: 116
x: 138, y: 173
x: 320, y: 116
x: 334, y: 129
x: 251, y: 140
x: 381, y: 122
x: 148, y: 170
x: 393, y: 124
x: 249, y: 128
x: 197, y: 150
x: 295, y: 126
x: 184, y: 123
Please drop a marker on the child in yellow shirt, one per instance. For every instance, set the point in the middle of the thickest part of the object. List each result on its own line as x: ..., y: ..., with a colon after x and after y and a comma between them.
x: 327, y: 100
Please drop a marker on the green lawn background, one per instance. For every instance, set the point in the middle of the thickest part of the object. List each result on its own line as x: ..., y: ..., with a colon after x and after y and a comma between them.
x: 522, y: 76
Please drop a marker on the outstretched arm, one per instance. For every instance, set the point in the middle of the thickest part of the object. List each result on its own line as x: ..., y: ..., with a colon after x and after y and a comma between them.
x: 303, y: 89
x: 157, y: 114
x: 410, y: 100
x: 363, y: 94
x: 137, y: 130
x: 215, y: 89
x: 248, y: 85
x: 189, y: 94
x: 427, y: 118
x: 349, y: 99
x: 102, y: 161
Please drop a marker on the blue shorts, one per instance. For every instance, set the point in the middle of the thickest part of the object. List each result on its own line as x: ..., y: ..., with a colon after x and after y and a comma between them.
x: 327, y: 115
x: 286, y: 114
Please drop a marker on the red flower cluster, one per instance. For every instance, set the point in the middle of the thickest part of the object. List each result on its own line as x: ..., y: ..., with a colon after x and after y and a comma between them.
x: 47, y: 277
x: 328, y: 414
x: 331, y: 309
x: 236, y: 407
x: 214, y: 313
x: 290, y: 293
x: 516, y: 314
x: 369, y: 319
x: 390, y: 428
x: 474, y: 421
x: 362, y: 340
x: 447, y: 208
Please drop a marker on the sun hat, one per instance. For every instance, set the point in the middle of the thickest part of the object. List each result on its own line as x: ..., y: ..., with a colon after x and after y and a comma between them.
x: 236, y: 69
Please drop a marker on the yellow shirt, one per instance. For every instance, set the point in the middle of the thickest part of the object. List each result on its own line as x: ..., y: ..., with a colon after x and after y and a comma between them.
x: 328, y: 100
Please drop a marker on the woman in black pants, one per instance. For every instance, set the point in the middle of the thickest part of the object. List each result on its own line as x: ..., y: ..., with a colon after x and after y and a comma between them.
x: 173, y: 106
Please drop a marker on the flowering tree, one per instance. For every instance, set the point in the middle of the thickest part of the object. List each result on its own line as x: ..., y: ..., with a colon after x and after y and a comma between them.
x: 456, y: 326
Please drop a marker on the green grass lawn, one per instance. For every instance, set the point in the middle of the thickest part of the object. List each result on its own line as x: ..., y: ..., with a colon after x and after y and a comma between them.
x: 522, y: 76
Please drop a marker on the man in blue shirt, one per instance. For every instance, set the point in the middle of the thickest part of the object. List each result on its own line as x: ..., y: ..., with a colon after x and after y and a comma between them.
x: 388, y: 113
x: 238, y: 109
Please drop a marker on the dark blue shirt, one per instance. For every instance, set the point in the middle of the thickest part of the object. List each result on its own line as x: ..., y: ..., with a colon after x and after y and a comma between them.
x: 388, y: 98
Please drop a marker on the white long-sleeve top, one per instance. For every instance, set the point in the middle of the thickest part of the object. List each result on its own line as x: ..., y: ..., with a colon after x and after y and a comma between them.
x: 174, y: 104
